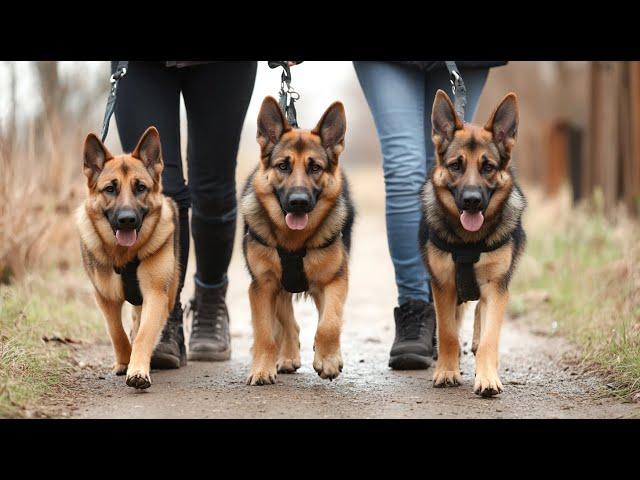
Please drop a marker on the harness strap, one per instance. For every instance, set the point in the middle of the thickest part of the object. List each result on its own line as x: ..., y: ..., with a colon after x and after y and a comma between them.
x: 130, y: 285
x: 464, y: 257
x: 121, y: 71
x: 458, y: 88
x: 294, y: 279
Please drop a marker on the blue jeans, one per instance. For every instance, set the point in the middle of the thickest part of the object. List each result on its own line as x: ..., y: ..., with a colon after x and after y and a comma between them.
x: 400, y: 98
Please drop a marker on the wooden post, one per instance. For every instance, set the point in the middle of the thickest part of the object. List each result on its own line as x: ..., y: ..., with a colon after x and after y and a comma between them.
x: 631, y: 177
x: 604, y: 145
x: 557, y: 157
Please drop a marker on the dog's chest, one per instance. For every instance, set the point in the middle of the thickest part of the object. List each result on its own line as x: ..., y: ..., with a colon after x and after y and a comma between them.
x: 319, y: 266
x: 491, y: 266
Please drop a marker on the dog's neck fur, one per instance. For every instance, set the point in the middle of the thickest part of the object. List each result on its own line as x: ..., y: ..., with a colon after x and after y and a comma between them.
x: 495, y: 229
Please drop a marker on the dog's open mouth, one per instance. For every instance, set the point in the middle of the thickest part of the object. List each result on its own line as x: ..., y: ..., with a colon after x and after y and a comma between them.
x: 126, y: 238
x: 296, y: 221
x: 471, y: 221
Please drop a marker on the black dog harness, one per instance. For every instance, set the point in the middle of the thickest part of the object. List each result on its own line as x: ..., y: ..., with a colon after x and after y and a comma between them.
x: 130, y: 285
x: 293, y: 280
x: 464, y: 257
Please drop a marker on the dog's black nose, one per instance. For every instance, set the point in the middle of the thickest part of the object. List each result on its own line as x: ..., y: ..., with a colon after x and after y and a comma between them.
x: 299, y: 201
x: 471, y: 199
x: 127, y: 219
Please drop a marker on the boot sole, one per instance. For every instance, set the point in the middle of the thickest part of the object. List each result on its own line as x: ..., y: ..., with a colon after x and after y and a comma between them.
x: 410, y: 361
x: 210, y: 356
x: 165, y: 361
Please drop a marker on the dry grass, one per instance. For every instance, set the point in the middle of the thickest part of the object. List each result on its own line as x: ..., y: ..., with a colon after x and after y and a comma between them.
x: 42, y: 288
x: 580, y: 277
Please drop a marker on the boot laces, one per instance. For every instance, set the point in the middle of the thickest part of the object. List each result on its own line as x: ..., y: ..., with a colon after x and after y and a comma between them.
x: 412, y: 321
x: 170, y: 330
x: 208, y: 318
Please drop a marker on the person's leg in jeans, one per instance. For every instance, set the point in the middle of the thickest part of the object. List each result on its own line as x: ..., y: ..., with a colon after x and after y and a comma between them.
x: 400, y: 99
x: 216, y: 98
x: 149, y: 95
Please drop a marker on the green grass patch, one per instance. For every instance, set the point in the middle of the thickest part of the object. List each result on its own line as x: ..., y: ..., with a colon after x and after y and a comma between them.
x: 581, y: 275
x: 56, y: 304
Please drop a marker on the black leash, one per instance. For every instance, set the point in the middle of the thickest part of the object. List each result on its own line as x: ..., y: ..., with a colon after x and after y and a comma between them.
x: 458, y: 88
x: 121, y: 71
x: 288, y: 96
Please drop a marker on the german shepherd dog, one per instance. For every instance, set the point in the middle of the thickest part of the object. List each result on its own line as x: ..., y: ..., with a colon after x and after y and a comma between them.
x: 297, y: 221
x: 125, y: 219
x: 472, y: 198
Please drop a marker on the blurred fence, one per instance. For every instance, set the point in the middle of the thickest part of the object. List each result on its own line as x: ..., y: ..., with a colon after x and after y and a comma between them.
x: 580, y: 126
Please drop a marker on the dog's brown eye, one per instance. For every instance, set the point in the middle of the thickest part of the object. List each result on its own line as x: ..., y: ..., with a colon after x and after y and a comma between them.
x: 456, y: 166
x: 315, y: 168
x: 284, y: 166
x: 140, y: 188
x: 110, y: 189
x: 487, y: 167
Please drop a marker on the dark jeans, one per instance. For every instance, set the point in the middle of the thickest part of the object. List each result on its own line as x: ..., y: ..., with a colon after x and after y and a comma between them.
x: 216, y: 97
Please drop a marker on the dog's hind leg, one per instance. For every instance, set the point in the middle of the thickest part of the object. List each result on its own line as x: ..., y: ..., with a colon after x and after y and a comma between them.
x: 112, y: 312
x: 262, y: 296
x: 136, y: 311
x: 289, y: 356
x: 447, y: 372
x: 477, y: 327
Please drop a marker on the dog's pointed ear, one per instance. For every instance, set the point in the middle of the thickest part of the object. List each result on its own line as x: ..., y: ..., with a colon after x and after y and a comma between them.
x: 503, y: 124
x: 271, y: 125
x: 95, y: 156
x: 444, y: 121
x: 149, y: 150
x: 331, y: 128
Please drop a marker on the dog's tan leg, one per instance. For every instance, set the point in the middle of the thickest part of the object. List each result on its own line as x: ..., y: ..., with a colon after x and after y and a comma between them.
x: 153, y: 317
x: 289, y: 356
x: 487, y: 382
x: 477, y: 327
x: 136, y: 312
x: 262, y: 296
x: 447, y: 372
x: 112, y: 312
x: 327, y: 360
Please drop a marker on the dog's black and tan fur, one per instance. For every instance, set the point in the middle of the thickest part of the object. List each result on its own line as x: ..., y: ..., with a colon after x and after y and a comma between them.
x: 126, y: 189
x: 298, y: 171
x: 472, y: 161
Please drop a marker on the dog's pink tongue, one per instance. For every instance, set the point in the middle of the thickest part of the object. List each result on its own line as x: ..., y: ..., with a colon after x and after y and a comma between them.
x: 471, y: 221
x: 126, y: 238
x: 296, y: 221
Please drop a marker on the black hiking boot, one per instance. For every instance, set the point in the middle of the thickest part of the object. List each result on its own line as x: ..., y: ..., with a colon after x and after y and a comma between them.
x: 171, y: 351
x: 210, y: 339
x: 413, y: 347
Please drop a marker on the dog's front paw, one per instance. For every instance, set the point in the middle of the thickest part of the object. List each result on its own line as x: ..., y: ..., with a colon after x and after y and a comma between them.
x: 119, y: 368
x: 261, y: 375
x: 288, y: 365
x: 446, y: 378
x: 328, y: 366
x: 138, y: 379
x: 487, y: 383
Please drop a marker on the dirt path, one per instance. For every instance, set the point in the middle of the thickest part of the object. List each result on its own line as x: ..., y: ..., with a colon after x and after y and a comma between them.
x: 539, y: 383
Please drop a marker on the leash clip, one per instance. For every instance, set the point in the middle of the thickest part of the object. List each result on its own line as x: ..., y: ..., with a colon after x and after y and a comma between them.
x: 115, y: 78
x: 288, y: 96
x: 454, y: 79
